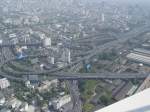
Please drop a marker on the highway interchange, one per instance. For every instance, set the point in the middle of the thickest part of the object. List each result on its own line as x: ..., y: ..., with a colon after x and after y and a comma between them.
x: 133, y: 34
x: 71, y: 77
x: 86, y: 30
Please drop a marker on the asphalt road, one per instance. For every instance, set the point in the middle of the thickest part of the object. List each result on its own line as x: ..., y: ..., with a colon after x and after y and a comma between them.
x: 75, y: 94
x: 133, y: 34
x: 70, y: 76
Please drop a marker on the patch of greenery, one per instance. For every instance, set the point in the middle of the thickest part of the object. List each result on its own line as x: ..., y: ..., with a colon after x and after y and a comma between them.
x: 105, y: 99
x: 88, y: 107
x: 20, y: 90
x: 107, y: 55
x: 87, y: 89
x: 49, y: 94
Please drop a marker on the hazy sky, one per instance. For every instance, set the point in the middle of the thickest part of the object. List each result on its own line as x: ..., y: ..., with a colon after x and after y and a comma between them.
x: 132, y: 1
x: 140, y: 2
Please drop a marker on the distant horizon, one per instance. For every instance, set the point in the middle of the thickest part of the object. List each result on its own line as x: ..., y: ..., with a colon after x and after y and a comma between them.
x: 143, y: 3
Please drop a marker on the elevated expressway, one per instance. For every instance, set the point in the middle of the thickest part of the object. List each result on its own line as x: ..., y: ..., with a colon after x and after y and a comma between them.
x: 123, y: 38
x: 13, y: 45
x: 107, y: 75
x: 78, y: 76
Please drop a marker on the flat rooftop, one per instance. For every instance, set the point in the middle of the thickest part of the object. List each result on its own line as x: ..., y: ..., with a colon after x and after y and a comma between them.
x: 139, y: 58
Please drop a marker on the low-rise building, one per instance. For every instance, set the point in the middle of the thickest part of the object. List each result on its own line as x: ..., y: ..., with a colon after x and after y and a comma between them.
x: 5, y: 110
x: 122, y: 93
x: 144, y: 85
x: 29, y: 85
x: 140, y: 55
x: 57, y: 103
x: 32, y: 81
x: 139, y: 58
x: 4, y: 83
x: 24, y: 107
x: 13, y: 35
x: 47, y: 42
x: 13, y: 103
x: 132, y: 90
x: 34, y: 61
x: 31, y: 108
x: 2, y: 99
x: 47, y: 85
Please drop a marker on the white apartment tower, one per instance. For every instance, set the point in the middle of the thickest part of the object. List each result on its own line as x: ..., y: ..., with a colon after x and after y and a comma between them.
x: 66, y: 56
x: 103, y: 17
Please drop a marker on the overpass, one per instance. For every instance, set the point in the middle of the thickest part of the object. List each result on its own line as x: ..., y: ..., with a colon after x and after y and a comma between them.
x: 84, y: 76
x: 23, y: 44
x: 77, y: 76
x: 72, y: 76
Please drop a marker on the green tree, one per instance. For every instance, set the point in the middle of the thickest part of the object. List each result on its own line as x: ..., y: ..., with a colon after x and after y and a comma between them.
x: 105, y: 99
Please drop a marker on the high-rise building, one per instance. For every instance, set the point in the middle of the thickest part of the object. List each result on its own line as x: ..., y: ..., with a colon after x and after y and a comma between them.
x: 103, y: 17
x: 66, y: 56
x: 52, y: 60
x: 47, y: 42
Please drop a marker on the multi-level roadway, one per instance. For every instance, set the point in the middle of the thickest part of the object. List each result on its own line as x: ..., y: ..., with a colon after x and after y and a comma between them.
x: 123, y: 38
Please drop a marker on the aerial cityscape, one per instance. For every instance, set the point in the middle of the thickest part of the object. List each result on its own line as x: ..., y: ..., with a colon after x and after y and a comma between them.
x: 72, y: 55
